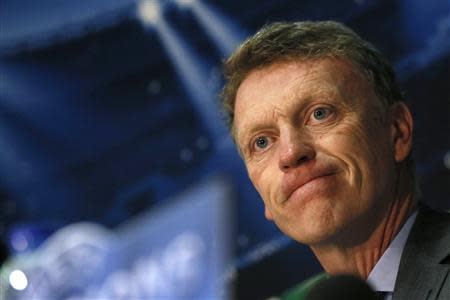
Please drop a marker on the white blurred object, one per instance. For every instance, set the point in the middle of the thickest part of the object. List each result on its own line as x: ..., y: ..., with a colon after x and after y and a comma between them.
x: 18, y: 280
x: 176, y: 252
x: 68, y: 260
x: 149, y: 11
x: 185, y: 3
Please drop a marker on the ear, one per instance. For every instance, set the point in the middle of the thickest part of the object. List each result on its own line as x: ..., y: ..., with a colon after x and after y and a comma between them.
x: 268, y: 213
x: 401, y: 130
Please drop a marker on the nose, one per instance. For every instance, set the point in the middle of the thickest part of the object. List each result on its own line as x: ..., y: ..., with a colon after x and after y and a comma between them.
x: 294, y: 150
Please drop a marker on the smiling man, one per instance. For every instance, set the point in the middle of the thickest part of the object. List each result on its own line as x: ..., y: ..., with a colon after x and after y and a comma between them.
x: 318, y: 118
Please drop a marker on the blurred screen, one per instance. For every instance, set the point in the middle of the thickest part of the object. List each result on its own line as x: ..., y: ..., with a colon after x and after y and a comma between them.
x: 179, y: 251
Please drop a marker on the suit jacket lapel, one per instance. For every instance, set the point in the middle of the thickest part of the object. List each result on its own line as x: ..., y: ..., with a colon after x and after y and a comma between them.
x: 422, y: 271
x: 422, y: 281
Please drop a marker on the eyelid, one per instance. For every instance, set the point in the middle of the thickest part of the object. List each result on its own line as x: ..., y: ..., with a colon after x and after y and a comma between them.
x: 310, y: 113
x: 252, y: 143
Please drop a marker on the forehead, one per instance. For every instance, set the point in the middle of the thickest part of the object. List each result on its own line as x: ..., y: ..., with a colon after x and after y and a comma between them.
x: 281, y: 84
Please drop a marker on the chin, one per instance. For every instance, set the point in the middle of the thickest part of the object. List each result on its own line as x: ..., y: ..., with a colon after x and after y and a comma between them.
x: 312, y: 236
x: 313, y: 225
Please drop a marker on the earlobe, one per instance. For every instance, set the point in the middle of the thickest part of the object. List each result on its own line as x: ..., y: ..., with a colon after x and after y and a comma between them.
x: 402, y: 129
x: 268, y: 214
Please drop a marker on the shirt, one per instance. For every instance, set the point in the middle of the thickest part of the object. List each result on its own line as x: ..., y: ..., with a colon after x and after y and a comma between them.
x: 384, y: 273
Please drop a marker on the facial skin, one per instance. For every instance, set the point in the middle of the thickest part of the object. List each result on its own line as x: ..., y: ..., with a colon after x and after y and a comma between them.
x: 320, y: 149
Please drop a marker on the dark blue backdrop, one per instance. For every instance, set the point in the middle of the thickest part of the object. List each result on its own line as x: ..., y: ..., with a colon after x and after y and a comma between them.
x: 108, y: 109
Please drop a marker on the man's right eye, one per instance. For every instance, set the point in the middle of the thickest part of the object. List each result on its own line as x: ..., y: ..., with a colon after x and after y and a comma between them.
x: 261, y: 142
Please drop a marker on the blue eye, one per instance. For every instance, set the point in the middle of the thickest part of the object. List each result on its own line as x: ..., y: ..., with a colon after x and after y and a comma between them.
x: 262, y: 142
x: 320, y: 113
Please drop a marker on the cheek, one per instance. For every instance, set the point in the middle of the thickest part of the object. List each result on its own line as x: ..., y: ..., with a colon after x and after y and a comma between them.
x: 364, y: 152
x: 372, y: 146
x: 264, y: 179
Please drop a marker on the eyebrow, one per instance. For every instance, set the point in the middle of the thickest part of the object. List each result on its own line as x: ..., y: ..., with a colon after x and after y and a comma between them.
x: 246, y: 134
x: 292, y: 110
x: 255, y: 127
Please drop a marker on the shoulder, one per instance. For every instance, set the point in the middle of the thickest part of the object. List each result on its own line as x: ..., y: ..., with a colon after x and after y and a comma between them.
x: 425, y: 262
x: 430, y: 234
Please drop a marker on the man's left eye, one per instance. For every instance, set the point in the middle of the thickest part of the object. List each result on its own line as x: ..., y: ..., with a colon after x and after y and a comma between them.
x: 320, y: 113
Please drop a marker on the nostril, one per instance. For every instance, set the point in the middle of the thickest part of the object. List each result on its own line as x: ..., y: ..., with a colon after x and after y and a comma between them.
x: 302, y: 160
x: 296, y: 163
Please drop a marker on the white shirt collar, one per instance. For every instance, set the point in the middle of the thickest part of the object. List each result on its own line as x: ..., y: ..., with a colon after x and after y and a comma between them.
x: 383, y: 275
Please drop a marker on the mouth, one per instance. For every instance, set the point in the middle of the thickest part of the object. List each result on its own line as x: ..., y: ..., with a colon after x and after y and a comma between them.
x: 305, y: 186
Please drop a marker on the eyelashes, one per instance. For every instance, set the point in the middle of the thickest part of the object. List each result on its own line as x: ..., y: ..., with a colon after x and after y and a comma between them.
x: 319, y: 115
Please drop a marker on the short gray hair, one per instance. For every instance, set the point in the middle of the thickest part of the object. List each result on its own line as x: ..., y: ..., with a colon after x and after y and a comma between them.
x: 307, y: 40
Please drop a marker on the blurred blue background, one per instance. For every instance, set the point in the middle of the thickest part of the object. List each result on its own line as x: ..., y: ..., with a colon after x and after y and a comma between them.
x: 109, y: 109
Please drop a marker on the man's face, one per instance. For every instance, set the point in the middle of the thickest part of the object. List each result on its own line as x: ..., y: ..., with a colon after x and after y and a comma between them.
x: 318, y: 147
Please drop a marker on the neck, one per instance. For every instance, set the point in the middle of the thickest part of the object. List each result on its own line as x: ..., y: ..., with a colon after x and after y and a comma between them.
x: 360, y: 258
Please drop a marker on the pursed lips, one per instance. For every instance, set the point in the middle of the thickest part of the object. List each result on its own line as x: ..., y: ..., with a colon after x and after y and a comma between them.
x: 298, y: 178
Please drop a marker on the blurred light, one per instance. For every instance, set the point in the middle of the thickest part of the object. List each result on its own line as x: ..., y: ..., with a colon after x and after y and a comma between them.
x: 186, y: 155
x: 185, y: 3
x: 154, y: 87
x: 202, y: 143
x: 184, y: 261
x: 242, y: 240
x: 18, y: 280
x: 19, y: 241
x: 149, y: 11
x: 447, y: 160
x: 192, y: 71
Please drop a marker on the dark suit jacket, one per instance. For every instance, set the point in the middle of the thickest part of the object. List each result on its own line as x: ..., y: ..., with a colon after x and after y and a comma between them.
x: 424, y: 271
